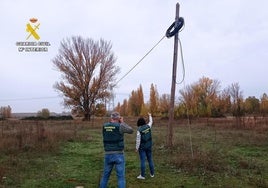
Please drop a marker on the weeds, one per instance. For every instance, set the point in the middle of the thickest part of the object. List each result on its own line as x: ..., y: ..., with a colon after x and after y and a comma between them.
x: 22, y: 136
x: 70, y: 153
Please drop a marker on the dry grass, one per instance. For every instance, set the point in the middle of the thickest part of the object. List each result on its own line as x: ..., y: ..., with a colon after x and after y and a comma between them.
x: 19, y: 136
x: 218, y: 149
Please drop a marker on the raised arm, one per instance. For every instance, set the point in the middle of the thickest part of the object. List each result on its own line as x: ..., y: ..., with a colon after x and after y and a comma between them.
x: 125, y: 128
x: 150, y: 120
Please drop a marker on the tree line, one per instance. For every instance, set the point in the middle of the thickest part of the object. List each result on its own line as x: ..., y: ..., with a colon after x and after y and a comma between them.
x: 200, y: 99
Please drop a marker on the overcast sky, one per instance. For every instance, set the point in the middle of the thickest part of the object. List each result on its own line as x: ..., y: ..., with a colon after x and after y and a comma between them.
x: 225, y: 40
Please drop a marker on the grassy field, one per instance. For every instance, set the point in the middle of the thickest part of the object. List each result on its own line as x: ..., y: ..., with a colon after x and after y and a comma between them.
x: 64, y: 154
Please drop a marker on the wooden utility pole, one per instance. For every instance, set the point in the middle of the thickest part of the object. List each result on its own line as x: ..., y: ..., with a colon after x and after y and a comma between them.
x: 173, y: 85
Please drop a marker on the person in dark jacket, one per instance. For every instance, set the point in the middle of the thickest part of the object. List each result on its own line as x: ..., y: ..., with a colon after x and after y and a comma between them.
x: 113, y: 141
x: 144, y: 145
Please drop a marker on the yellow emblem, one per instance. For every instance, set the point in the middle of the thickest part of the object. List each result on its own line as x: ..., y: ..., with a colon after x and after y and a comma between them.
x: 32, y: 30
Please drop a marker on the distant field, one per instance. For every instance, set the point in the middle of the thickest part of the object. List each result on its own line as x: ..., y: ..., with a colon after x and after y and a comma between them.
x: 206, y: 153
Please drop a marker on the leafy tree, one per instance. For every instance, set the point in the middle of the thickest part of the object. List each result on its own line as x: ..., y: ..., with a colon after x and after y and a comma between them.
x: 136, y: 102
x: 5, y: 112
x: 252, y: 105
x: 118, y: 107
x: 264, y: 104
x: 207, y: 91
x: 154, y: 100
x: 164, y: 102
x: 123, y: 110
x: 201, y: 97
x: 88, y: 73
x: 132, y: 110
x: 224, y: 102
x: 144, y: 110
x: 100, y: 110
x: 181, y: 111
x: 140, y: 101
x: 44, y: 113
x: 188, y: 101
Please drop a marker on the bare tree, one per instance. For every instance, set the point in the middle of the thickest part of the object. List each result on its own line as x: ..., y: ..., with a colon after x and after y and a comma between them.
x: 237, y: 99
x: 88, y: 73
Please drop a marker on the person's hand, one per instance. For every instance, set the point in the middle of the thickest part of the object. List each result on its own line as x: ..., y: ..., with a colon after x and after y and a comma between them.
x: 121, y: 120
x: 149, y: 114
x: 136, y: 150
